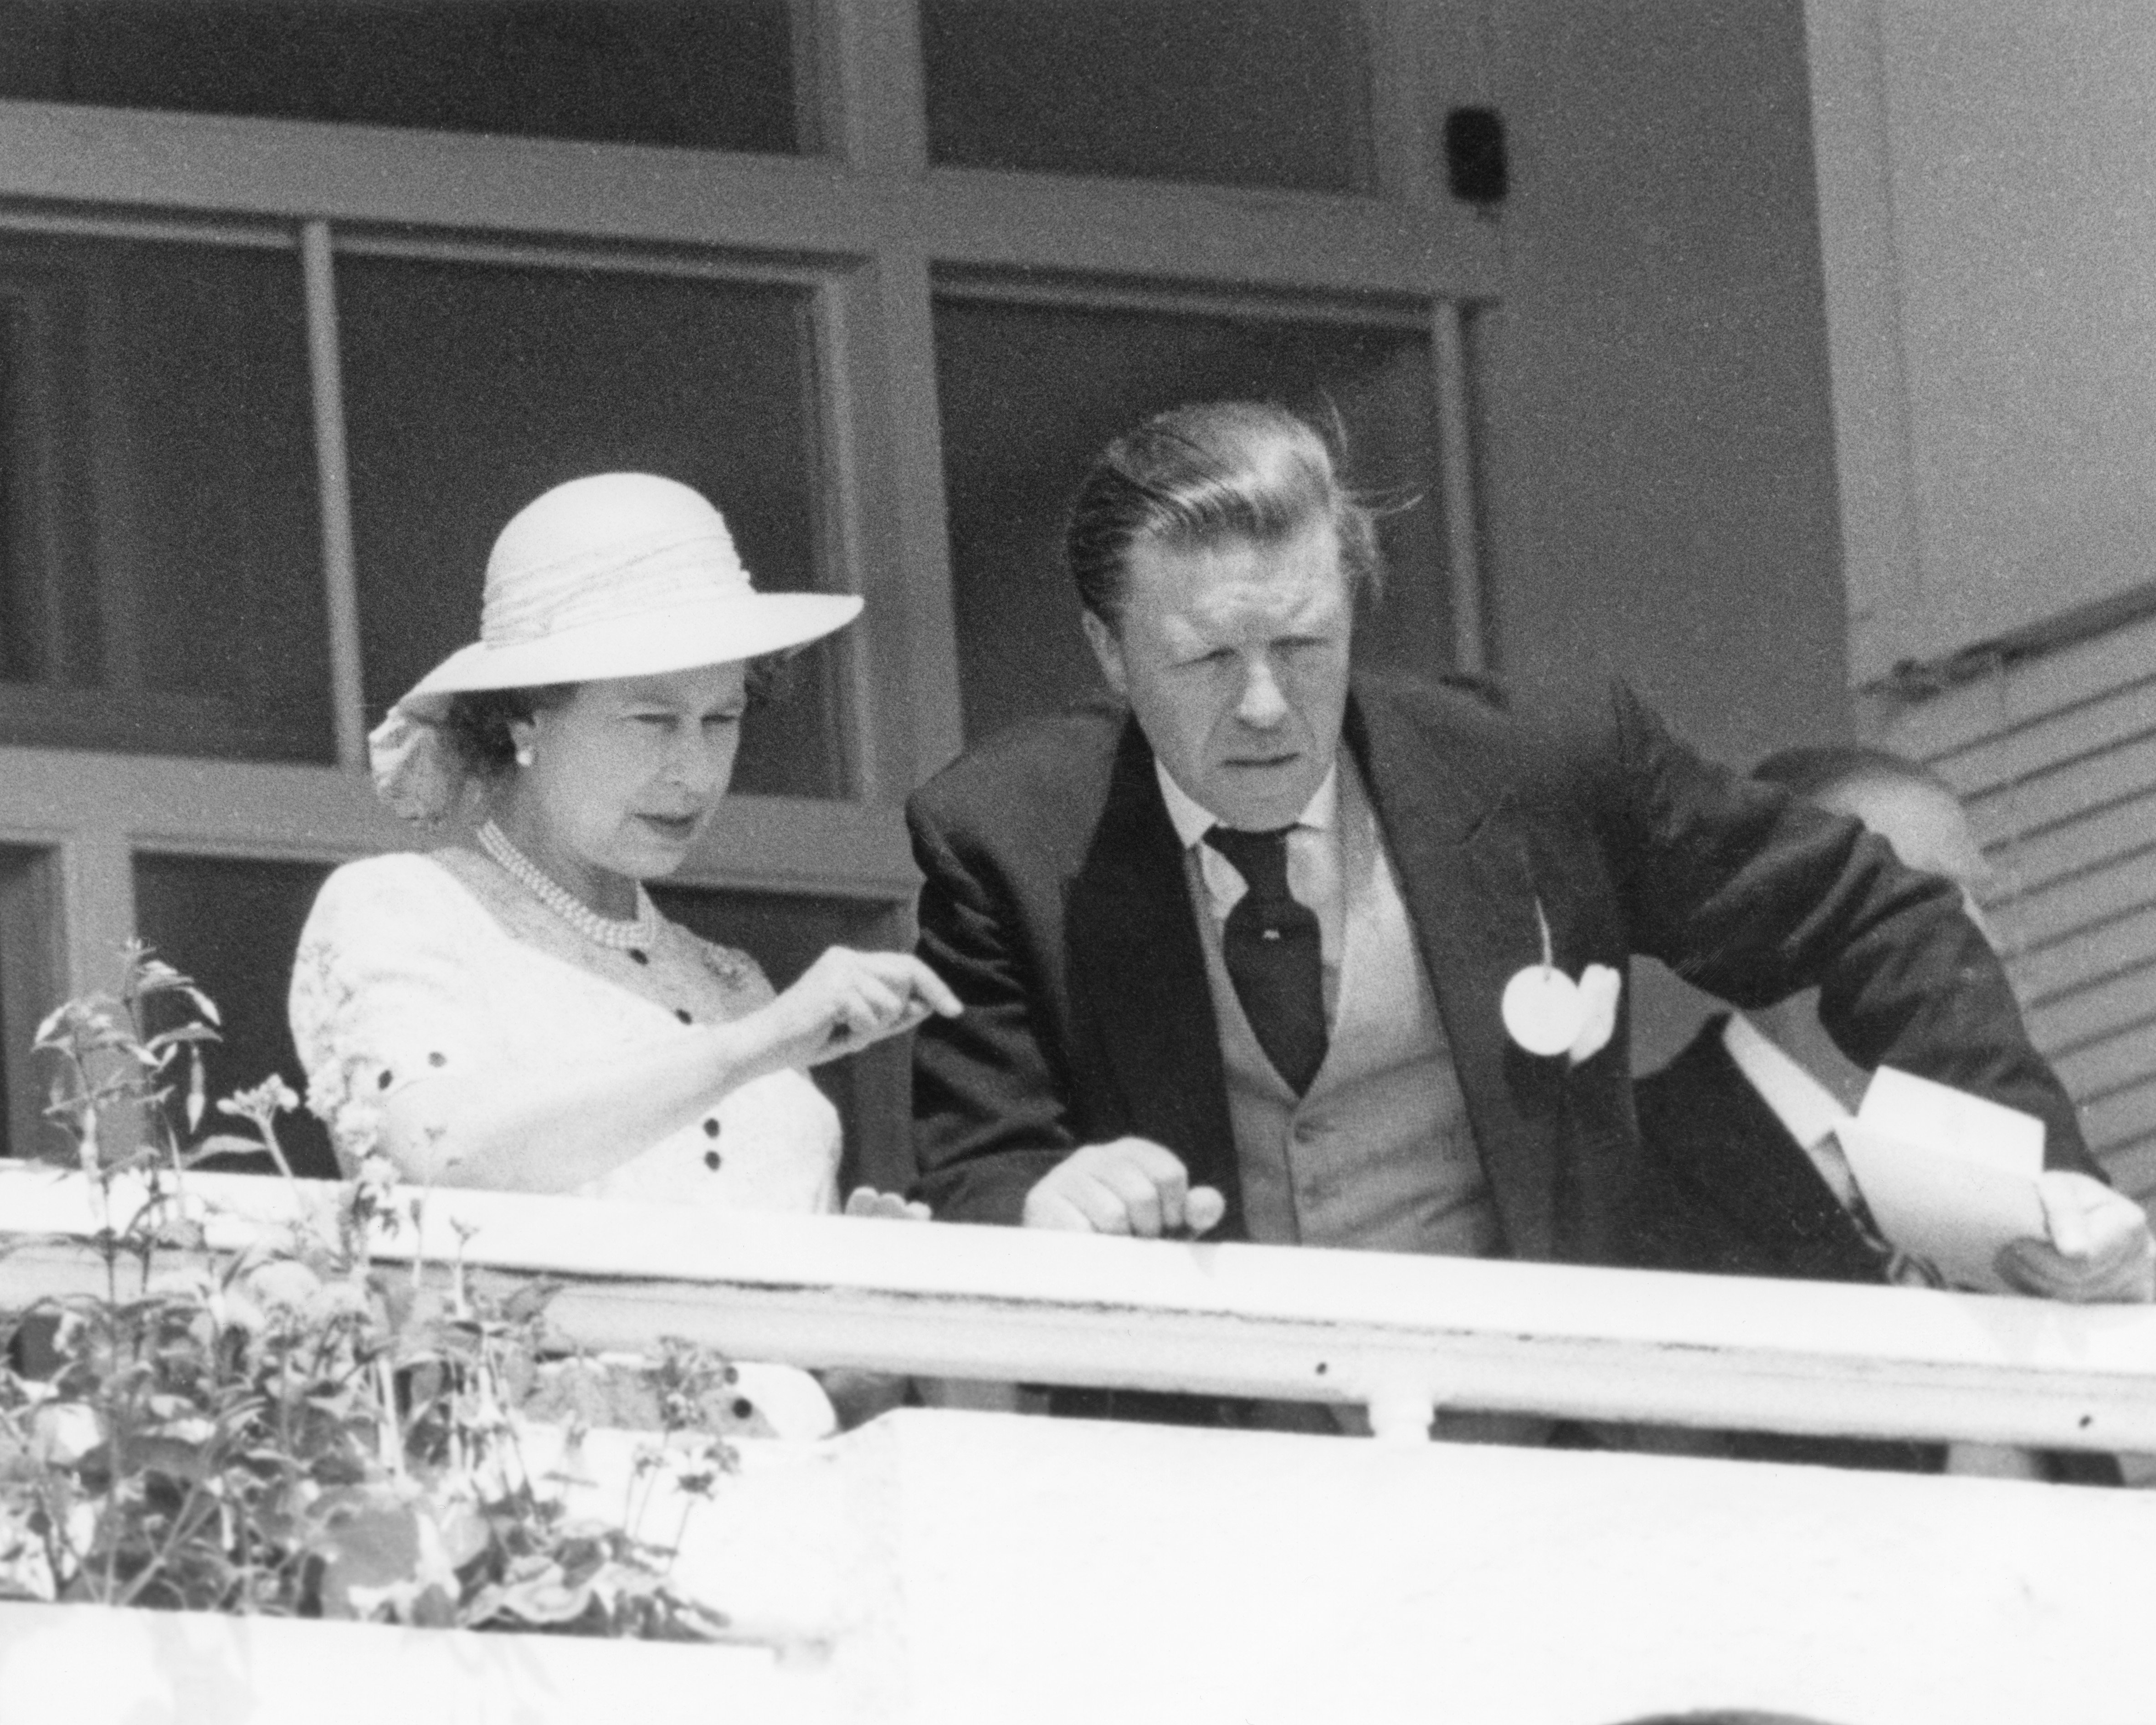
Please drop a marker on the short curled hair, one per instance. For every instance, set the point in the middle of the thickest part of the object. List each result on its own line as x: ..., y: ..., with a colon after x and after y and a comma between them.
x: 477, y: 726
x: 1198, y: 475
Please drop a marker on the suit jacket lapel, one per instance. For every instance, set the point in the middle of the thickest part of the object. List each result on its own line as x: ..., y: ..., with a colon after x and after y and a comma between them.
x: 1731, y: 1145
x: 1462, y: 862
x: 1139, y: 983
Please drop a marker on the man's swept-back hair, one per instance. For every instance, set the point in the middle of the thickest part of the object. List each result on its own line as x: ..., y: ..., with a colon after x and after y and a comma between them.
x: 1200, y: 475
x: 1817, y: 772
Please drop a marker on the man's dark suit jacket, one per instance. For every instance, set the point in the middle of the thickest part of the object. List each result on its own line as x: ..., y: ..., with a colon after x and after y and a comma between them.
x: 1055, y: 904
x: 1727, y: 1190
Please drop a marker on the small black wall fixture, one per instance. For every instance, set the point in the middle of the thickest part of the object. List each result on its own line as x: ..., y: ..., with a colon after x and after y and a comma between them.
x: 1475, y: 156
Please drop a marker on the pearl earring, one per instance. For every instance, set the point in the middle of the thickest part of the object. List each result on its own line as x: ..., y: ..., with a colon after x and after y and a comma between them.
x: 524, y: 754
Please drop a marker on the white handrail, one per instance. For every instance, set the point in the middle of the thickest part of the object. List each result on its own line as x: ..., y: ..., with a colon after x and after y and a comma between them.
x: 1400, y: 1334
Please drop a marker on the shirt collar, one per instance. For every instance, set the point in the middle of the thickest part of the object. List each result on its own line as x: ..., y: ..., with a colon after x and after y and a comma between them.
x: 1194, y: 819
x: 1807, y: 1109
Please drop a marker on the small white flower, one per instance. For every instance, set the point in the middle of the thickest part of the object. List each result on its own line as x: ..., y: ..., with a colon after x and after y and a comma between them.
x: 283, y: 1284
x: 63, y: 1432
x: 272, y: 1096
x: 1599, y: 987
x: 377, y: 1179
x: 1541, y: 1010
x: 1547, y: 1013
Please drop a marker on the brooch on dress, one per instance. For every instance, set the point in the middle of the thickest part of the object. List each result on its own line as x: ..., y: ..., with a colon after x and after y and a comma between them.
x: 734, y: 969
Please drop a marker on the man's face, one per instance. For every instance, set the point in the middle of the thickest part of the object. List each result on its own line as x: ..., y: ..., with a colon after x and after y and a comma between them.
x: 1926, y: 829
x: 1234, y: 657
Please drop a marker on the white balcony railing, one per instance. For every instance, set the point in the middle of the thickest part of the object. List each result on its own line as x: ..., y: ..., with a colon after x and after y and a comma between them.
x: 1400, y: 1335
x: 938, y: 1566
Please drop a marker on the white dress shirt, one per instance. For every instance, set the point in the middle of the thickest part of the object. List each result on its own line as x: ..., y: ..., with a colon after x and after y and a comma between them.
x: 1314, y: 872
x: 1320, y: 855
x: 1807, y: 1109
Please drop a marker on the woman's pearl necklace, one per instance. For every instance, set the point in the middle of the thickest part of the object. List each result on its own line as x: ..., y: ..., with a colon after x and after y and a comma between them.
x: 636, y: 935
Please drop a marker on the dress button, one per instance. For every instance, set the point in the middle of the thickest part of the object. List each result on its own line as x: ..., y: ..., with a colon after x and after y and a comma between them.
x: 640, y: 954
x: 682, y: 1013
x: 712, y: 1160
x: 711, y: 1126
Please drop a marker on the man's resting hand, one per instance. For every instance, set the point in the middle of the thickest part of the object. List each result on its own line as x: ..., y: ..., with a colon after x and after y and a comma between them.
x: 2099, y: 1247
x: 885, y: 1206
x: 1131, y: 1186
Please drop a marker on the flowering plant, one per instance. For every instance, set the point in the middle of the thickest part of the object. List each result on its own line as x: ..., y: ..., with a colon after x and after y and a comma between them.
x: 291, y: 1428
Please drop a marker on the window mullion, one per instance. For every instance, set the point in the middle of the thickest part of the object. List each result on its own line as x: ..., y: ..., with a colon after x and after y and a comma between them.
x: 31, y: 966
x: 869, y: 99
x: 1449, y: 355
x: 98, y: 874
x: 911, y: 618
x: 340, y: 564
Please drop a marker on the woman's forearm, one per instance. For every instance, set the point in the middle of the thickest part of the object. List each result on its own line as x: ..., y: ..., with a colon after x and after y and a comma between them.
x: 552, y: 1130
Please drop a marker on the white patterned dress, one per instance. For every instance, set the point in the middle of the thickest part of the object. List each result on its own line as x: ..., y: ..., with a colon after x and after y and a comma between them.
x: 412, y: 965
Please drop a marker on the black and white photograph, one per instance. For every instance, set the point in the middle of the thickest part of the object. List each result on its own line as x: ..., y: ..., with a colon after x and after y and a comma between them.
x: 1230, y: 862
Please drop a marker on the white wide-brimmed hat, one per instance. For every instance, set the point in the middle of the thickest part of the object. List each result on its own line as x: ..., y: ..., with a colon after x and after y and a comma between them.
x: 617, y: 575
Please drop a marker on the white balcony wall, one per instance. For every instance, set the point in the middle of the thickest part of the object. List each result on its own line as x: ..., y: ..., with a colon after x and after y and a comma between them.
x: 1988, y: 226
x: 94, y: 1664
x: 980, y: 1566
x: 938, y: 1565
x: 1059, y: 1571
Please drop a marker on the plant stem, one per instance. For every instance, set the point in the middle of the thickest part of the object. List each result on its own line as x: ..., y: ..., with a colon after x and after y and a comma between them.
x: 163, y: 1554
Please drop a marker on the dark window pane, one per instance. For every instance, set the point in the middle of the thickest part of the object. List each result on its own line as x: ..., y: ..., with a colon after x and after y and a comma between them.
x: 1013, y: 459
x: 471, y: 389
x: 160, y: 538
x: 27, y: 639
x: 234, y: 927
x: 785, y: 934
x: 30, y: 988
x: 1270, y: 93
x: 708, y: 74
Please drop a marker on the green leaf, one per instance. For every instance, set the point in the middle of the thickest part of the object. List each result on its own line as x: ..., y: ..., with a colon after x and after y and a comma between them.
x: 466, y: 1533
x: 364, y: 1539
x: 179, y: 1034
x: 531, y: 1299
x: 545, y: 1599
x: 223, y: 1144
x: 178, y: 1458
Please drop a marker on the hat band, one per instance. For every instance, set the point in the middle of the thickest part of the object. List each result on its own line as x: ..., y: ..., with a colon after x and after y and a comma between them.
x: 603, y: 588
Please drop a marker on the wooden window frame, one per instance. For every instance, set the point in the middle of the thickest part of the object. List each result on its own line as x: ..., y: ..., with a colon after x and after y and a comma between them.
x: 874, y: 233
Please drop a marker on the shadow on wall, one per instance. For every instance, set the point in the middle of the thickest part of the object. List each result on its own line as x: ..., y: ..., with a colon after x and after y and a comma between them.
x: 1713, y: 1717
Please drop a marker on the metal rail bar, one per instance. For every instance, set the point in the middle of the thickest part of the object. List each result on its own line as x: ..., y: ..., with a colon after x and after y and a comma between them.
x: 1402, y: 1335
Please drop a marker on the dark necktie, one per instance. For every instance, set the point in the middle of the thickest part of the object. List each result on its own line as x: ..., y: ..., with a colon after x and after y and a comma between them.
x: 1271, y: 945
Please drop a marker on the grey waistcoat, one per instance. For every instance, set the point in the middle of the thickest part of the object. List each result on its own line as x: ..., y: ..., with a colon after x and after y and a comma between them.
x: 1377, y: 1155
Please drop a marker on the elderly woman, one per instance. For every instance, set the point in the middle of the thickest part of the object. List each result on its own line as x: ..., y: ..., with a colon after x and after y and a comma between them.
x: 512, y: 1012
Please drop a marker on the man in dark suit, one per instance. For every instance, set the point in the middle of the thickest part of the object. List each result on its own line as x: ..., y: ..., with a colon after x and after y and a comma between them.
x: 1295, y: 955
x: 1743, y: 1175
